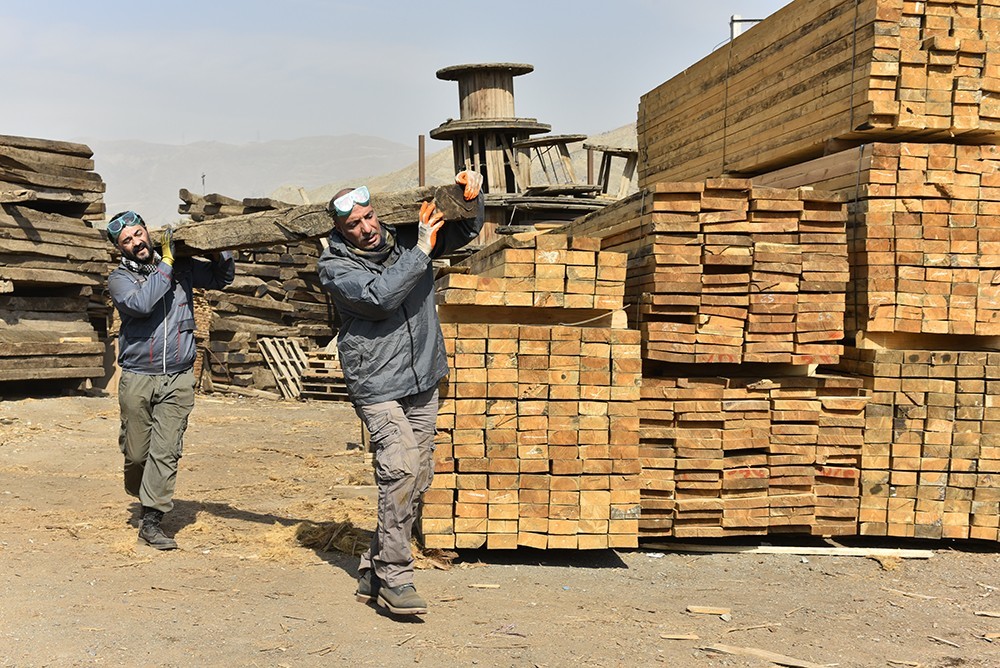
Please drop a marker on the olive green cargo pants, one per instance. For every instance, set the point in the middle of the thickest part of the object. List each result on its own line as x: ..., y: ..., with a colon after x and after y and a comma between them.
x: 154, y: 415
x: 402, y: 438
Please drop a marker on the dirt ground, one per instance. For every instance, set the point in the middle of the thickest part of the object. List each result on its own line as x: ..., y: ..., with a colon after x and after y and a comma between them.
x: 260, y: 481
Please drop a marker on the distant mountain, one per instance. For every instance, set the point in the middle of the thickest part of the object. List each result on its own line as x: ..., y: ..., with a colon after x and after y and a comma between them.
x: 146, y: 177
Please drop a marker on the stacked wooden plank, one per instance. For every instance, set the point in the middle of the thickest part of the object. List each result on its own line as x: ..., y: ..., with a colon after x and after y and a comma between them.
x: 821, y: 71
x: 931, y: 455
x: 538, y: 429
x: 922, y: 306
x: 213, y: 205
x: 729, y: 456
x: 723, y: 271
x: 548, y: 271
x: 53, y: 264
x: 277, y: 294
x: 924, y: 234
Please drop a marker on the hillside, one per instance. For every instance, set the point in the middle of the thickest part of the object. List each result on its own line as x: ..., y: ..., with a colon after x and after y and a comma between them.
x: 146, y: 177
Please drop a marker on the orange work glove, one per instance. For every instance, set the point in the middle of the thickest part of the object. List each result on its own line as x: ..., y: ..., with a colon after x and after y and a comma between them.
x: 473, y: 182
x: 431, y: 220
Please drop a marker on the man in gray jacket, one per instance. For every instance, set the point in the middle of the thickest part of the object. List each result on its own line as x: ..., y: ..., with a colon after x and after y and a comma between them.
x: 393, y: 356
x: 156, y: 351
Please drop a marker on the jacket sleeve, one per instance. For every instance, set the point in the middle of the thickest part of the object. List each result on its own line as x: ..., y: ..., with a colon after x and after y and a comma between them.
x: 137, y: 299
x: 456, y: 234
x: 215, y: 274
x: 370, y: 295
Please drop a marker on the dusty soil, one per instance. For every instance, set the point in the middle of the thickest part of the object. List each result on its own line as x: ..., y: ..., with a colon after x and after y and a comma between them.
x: 258, y: 478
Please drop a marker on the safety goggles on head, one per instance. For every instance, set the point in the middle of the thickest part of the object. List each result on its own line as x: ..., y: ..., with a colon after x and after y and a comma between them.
x: 344, y: 204
x: 119, y: 223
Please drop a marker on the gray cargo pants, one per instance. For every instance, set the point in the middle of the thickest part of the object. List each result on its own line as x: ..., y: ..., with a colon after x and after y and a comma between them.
x: 402, y: 438
x: 154, y: 415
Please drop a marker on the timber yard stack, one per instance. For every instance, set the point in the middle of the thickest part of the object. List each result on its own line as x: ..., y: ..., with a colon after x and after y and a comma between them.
x: 276, y: 294
x: 923, y: 310
x: 819, y: 71
x: 538, y: 431
x: 904, y: 99
x: 52, y: 263
x: 722, y: 273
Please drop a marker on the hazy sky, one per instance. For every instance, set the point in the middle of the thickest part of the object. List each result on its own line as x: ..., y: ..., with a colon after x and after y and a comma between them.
x: 178, y: 71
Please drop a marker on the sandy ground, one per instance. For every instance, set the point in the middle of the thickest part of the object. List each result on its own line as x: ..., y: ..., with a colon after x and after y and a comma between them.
x: 261, y: 487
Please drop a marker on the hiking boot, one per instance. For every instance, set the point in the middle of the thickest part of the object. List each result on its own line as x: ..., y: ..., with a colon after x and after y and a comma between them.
x: 368, y: 586
x: 402, y: 600
x: 150, y: 532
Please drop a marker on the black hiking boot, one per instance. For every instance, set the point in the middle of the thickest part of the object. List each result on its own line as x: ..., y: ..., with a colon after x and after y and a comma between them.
x: 402, y: 600
x: 368, y: 586
x: 150, y: 532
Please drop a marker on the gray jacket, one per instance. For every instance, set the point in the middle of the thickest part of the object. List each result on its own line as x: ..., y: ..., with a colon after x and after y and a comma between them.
x: 390, y: 340
x: 157, y: 330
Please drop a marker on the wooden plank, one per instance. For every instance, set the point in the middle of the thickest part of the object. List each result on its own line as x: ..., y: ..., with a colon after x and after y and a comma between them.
x: 312, y: 221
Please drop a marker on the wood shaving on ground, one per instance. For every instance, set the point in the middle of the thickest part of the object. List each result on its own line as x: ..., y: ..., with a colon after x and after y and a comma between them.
x: 333, y: 536
x: 888, y: 563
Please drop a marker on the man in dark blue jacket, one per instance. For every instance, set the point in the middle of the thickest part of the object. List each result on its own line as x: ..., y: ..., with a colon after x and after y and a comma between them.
x: 156, y: 353
x: 393, y: 356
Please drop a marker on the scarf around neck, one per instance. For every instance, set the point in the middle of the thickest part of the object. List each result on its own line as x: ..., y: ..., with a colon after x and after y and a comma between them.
x: 139, y: 267
x: 376, y: 255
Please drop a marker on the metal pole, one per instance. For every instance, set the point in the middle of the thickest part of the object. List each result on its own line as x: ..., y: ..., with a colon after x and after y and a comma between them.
x: 421, y: 162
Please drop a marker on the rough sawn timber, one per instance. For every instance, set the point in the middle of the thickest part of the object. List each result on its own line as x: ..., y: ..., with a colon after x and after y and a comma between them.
x: 313, y: 220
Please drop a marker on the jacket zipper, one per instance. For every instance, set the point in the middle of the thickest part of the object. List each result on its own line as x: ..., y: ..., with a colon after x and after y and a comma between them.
x: 165, y: 334
x: 409, y: 333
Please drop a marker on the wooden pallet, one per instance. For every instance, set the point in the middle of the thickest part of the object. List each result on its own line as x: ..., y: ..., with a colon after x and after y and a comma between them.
x: 287, y: 361
x: 323, y: 377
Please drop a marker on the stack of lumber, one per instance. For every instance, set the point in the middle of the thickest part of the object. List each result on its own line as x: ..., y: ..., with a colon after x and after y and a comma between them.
x: 277, y: 294
x: 822, y: 71
x: 214, y: 205
x: 725, y: 456
x: 923, y: 305
x: 931, y: 455
x: 724, y: 271
x: 53, y: 264
x: 924, y: 227
x: 545, y: 271
x: 538, y: 439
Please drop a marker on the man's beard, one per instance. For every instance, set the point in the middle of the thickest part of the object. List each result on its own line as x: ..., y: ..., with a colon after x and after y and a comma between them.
x: 134, y: 254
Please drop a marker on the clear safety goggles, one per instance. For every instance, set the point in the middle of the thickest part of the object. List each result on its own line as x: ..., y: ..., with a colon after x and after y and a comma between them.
x: 344, y: 204
x: 127, y: 219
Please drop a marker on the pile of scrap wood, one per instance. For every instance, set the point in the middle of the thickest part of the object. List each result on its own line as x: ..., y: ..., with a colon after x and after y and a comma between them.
x: 538, y: 441
x: 53, y: 264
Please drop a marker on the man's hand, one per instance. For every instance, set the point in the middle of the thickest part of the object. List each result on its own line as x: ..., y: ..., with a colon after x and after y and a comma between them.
x: 167, y: 246
x: 473, y: 182
x: 431, y: 220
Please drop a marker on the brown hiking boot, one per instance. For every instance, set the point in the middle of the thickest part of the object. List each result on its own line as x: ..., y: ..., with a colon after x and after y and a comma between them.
x: 402, y: 600
x: 368, y: 586
x: 150, y: 532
